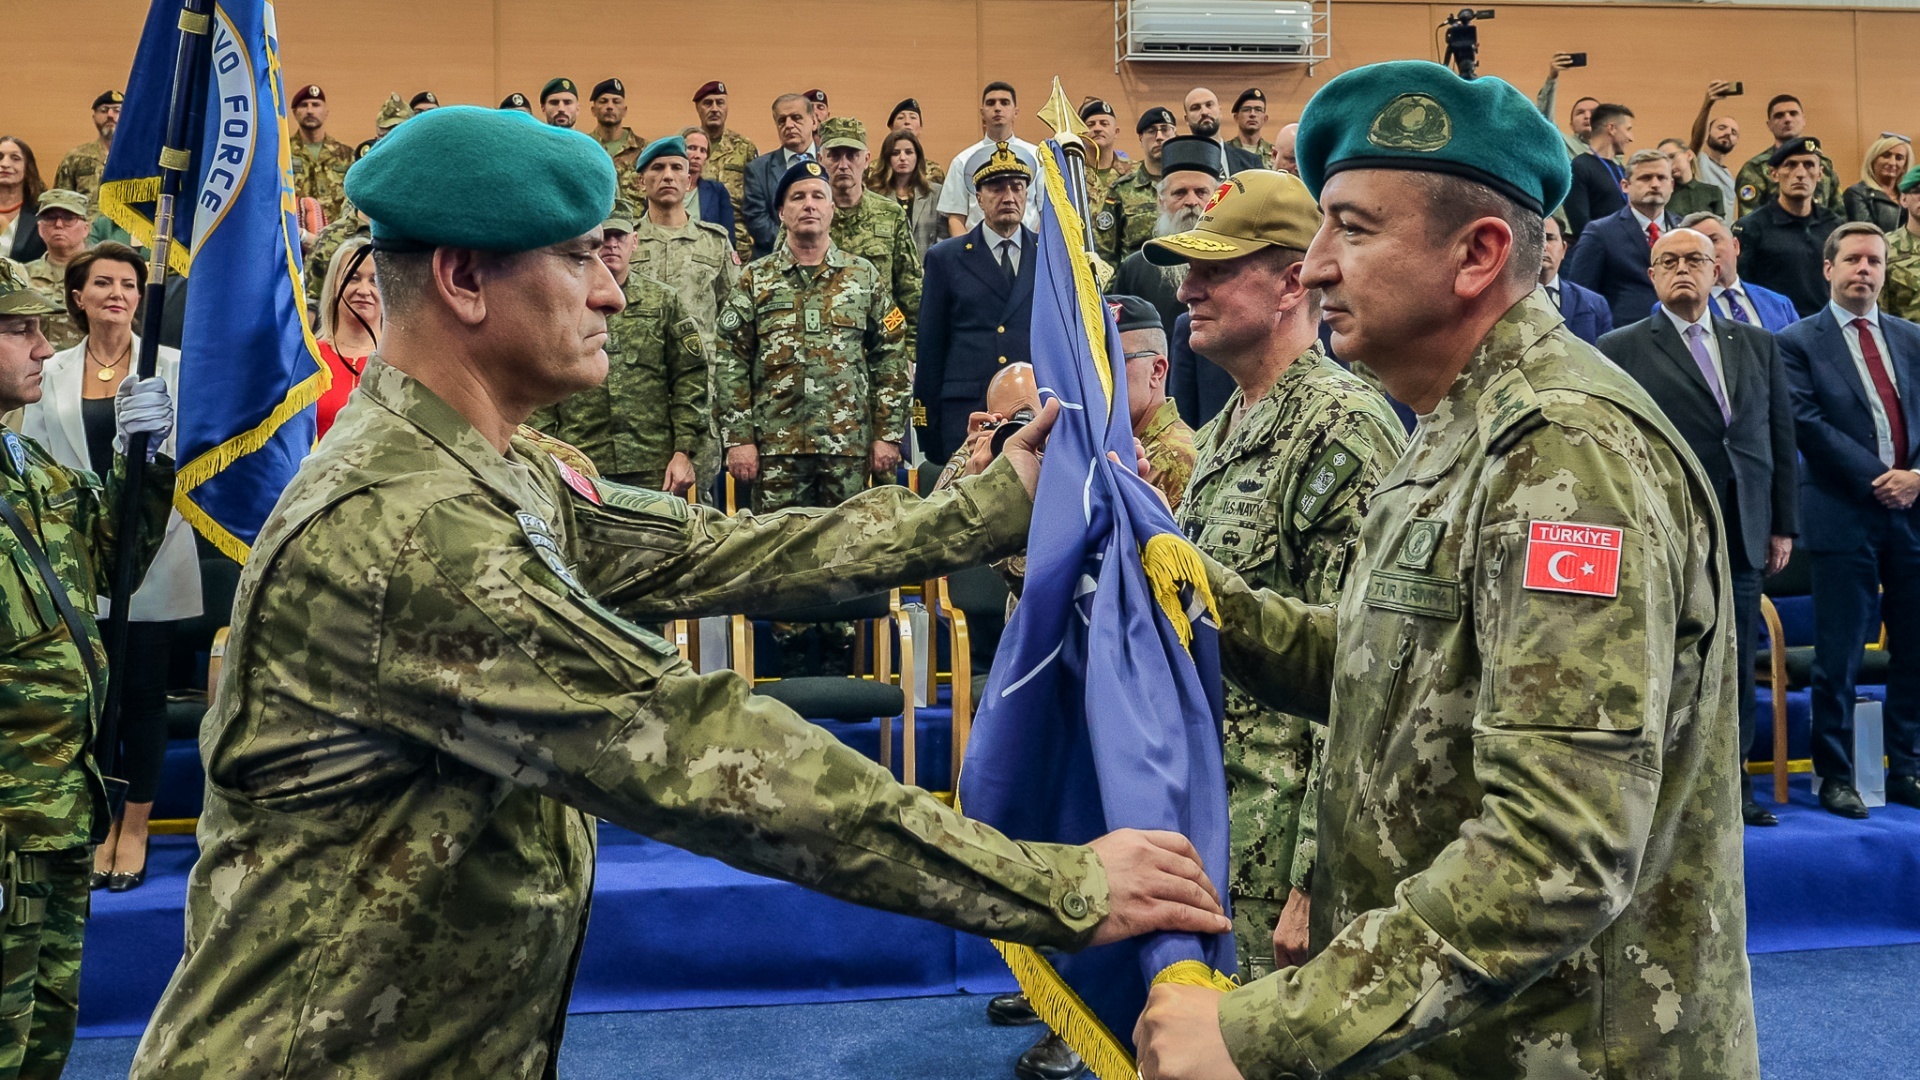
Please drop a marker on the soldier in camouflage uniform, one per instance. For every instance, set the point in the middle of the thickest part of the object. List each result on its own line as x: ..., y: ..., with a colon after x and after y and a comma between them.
x: 906, y: 117
x: 694, y: 258
x: 728, y: 154
x: 1108, y: 164
x: 645, y: 425
x: 53, y: 802
x: 320, y: 161
x: 81, y: 168
x: 63, y: 224
x: 1286, y: 472
x: 1754, y: 183
x: 609, y: 107
x: 1125, y: 221
x: 1529, y: 845
x: 1164, y: 437
x: 1250, y: 115
x: 1902, y: 293
x: 436, y: 683
x: 869, y: 224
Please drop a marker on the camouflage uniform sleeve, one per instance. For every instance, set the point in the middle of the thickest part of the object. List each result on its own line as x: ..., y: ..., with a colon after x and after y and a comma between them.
x: 654, y: 557
x: 67, y: 176
x: 1276, y: 648
x: 1106, y: 230
x: 594, y: 712
x: 907, y: 275
x: 735, y: 354
x: 686, y: 355
x: 887, y: 364
x: 1567, y: 748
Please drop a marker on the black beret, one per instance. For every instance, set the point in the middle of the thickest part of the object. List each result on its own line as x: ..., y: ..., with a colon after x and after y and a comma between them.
x: 804, y: 169
x: 1805, y: 144
x: 423, y: 96
x: 1096, y: 107
x: 1159, y: 114
x: 1251, y: 93
x: 516, y: 100
x: 1193, y: 153
x: 908, y: 105
x: 1134, y: 313
x: 608, y: 86
x: 115, y: 97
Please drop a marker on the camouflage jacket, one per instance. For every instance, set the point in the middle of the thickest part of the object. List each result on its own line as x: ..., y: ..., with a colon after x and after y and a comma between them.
x: 1168, y: 442
x: 80, y: 171
x: 324, y: 245
x: 696, y: 262
x: 1261, y: 149
x: 809, y: 359
x: 877, y: 231
x: 1279, y: 500
x: 47, y: 707
x: 1754, y: 184
x: 727, y: 161
x: 654, y: 402
x: 1530, y: 842
x: 625, y: 149
x: 1100, y: 181
x: 1125, y: 221
x: 51, y: 281
x: 433, y: 682
x: 1902, y: 293
x: 320, y: 173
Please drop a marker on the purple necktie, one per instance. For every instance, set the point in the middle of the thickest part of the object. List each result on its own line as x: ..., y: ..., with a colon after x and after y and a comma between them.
x: 1733, y: 307
x: 1697, y: 345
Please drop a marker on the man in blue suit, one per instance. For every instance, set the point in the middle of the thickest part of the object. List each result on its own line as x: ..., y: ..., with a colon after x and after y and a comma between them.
x: 1586, y: 313
x: 793, y: 118
x: 1855, y: 378
x: 976, y: 305
x: 1741, y: 301
x: 1612, y: 256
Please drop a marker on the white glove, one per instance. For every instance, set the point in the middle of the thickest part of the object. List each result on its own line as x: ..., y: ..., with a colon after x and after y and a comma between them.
x: 142, y: 406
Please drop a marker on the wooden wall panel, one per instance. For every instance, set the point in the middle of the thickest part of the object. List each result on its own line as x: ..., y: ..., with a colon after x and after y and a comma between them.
x: 1853, y: 68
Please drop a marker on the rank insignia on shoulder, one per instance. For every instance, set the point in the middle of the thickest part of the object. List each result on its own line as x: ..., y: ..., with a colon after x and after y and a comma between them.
x: 580, y: 484
x: 893, y: 322
x: 17, y: 454
x: 544, y: 546
x: 1564, y: 556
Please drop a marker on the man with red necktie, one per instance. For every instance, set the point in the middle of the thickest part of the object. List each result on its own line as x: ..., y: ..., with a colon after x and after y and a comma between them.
x: 1613, y: 254
x: 1855, y: 378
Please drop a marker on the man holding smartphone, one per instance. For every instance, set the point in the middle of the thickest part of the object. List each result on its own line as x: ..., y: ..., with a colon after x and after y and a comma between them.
x: 1579, y: 121
x: 1713, y: 138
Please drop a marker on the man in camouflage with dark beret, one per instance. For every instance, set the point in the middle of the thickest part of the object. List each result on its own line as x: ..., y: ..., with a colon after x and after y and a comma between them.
x: 82, y: 166
x: 320, y: 161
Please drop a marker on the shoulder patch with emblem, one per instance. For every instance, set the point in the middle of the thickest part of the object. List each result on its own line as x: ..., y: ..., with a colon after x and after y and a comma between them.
x: 1327, y: 475
x: 540, y: 537
x: 17, y: 453
x: 1747, y: 193
x: 1504, y: 412
x: 894, y: 321
x: 1567, y: 557
x: 1104, y: 221
x: 622, y: 497
x: 730, y: 318
x: 580, y: 484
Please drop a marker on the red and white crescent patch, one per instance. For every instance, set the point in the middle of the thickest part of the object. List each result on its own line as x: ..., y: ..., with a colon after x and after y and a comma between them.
x: 577, y: 482
x: 1565, y: 556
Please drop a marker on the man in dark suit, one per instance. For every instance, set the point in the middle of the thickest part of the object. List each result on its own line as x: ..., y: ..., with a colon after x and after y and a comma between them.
x: 1722, y: 385
x: 793, y: 117
x: 976, y: 305
x: 1855, y: 376
x: 1586, y: 313
x: 1612, y: 255
x: 1741, y: 301
x: 1598, y: 179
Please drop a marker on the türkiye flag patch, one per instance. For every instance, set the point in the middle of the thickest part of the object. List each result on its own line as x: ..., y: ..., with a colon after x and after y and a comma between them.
x: 1565, y: 556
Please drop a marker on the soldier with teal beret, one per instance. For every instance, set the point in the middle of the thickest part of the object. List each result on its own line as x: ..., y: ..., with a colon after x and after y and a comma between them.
x: 438, y: 677
x: 81, y: 168
x: 1902, y: 293
x: 1286, y: 474
x: 1529, y: 853
x: 58, y: 532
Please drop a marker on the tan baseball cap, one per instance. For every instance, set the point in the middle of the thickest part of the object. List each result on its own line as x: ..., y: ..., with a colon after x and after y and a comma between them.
x: 17, y: 295
x: 1253, y: 210
x: 61, y: 199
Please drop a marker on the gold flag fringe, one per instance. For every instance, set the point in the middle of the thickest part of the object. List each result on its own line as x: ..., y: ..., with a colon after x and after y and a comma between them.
x: 1067, y: 1014
x: 117, y: 199
x: 1170, y: 562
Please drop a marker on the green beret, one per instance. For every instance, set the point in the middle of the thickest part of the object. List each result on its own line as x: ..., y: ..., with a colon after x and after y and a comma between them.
x: 804, y: 169
x: 1910, y: 181
x: 488, y: 179
x: 561, y: 85
x: 670, y: 146
x: 1419, y: 116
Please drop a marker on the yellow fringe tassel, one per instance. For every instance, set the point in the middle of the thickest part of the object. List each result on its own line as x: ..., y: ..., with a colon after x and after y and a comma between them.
x: 1170, y: 561
x: 1194, y: 973
x: 1067, y: 1015
x: 1084, y: 287
x: 117, y: 199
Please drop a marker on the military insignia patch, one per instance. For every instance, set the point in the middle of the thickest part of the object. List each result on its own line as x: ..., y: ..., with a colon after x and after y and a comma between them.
x: 17, y: 454
x: 1328, y: 473
x: 1413, y: 122
x: 730, y: 319
x: 813, y: 320
x: 577, y: 482
x: 894, y: 321
x: 1563, y: 556
x: 1747, y: 193
x: 1218, y: 194
x: 1423, y: 539
x: 1104, y: 221
x: 547, y: 549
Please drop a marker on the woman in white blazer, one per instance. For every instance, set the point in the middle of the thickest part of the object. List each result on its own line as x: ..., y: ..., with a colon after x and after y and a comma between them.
x: 74, y: 420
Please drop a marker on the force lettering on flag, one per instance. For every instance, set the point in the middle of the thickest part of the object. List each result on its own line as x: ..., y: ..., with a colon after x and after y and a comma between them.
x: 1563, y: 556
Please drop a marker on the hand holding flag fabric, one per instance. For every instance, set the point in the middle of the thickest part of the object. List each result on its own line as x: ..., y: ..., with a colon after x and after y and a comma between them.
x: 1155, y: 882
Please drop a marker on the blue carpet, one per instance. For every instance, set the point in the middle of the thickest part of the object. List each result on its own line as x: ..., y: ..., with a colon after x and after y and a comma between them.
x: 1816, y: 1011
x: 1818, y: 881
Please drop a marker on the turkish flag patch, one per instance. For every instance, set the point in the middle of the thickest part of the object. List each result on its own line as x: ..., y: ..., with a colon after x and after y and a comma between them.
x: 1565, y: 556
x: 577, y: 482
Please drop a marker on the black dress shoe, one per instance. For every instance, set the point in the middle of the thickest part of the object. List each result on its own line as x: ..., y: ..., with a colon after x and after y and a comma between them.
x: 1904, y: 790
x: 1755, y: 814
x: 1842, y: 799
x: 1011, y: 1010
x: 1049, y: 1059
x: 98, y: 879
x: 121, y: 882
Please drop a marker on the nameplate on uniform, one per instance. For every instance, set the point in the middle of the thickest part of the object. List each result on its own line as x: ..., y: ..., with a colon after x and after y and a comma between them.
x: 1565, y: 556
x: 1416, y: 594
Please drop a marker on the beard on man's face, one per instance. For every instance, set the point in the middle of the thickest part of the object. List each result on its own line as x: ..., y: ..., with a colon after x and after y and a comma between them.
x: 1176, y: 221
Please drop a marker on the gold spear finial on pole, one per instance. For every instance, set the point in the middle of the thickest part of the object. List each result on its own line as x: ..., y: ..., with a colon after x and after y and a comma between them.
x: 1061, y: 116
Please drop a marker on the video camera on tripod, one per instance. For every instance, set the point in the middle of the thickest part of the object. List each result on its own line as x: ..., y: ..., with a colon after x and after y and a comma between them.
x: 1463, y: 40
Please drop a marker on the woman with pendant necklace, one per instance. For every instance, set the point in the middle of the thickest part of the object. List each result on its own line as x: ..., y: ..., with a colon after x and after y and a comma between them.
x: 20, y: 188
x: 74, y: 421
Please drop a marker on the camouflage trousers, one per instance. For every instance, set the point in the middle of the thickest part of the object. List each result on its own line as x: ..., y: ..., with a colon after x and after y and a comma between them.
x: 1253, y: 922
x: 788, y: 480
x: 40, y: 943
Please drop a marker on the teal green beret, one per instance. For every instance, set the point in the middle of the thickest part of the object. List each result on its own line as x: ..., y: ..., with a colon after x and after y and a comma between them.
x: 488, y: 179
x: 1419, y: 116
x: 1910, y: 181
x: 671, y: 146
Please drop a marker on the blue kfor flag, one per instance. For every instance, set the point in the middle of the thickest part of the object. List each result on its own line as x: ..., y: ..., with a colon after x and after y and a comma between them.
x: 1103, y: 709
x: 250, y: 371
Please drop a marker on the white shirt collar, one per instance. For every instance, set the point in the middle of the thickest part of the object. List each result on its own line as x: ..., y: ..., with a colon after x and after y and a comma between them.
x: 994, y: 239
x: 1845, y: 318
x: 1705, y: 322
x: 1554, y: 283
x: 1643, y: 219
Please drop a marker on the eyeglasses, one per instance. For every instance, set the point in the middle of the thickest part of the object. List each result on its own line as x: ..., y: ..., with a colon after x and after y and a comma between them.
x: 1691, y: 262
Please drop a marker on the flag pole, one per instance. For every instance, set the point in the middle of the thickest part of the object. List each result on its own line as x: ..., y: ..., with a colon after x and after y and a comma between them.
x: 175, y: 161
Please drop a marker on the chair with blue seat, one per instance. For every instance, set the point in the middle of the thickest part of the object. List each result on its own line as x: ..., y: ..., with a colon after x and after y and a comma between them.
x: 1785, y: 669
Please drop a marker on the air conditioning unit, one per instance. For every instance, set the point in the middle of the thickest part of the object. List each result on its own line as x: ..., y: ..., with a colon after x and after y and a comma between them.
x: 1287, y: 31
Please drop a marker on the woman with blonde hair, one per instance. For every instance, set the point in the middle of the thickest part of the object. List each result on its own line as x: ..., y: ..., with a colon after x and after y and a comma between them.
x: 351, y: 319
x: 1874, y: 198
x: 900, y: 170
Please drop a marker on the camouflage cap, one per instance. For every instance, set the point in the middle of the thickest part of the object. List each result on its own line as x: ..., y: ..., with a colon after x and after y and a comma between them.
x: 61, y: 199
x: 1253, y: 210
x: 621, y: 219
x: 17, y: 295
x: 843, y: 131
x: 392, y: 112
